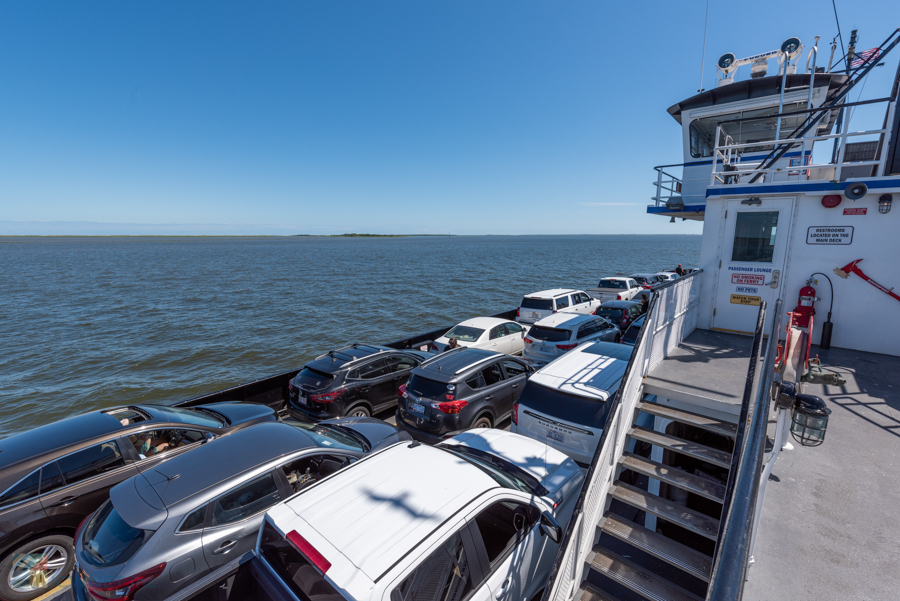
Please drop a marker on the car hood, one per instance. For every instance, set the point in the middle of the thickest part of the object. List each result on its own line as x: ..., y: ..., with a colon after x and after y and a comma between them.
x: 380, y: 434
x: 239, y: 413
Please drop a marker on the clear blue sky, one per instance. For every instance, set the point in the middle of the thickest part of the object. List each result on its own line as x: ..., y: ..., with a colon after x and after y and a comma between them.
x: 474, y: 117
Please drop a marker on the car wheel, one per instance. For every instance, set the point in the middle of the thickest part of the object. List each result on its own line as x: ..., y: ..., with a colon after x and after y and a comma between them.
x: 36, y: 567
x: 359, y: 411
x: 482, y: 422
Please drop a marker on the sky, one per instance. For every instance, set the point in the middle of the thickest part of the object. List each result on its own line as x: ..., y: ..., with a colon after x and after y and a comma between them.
x: 290, y: 117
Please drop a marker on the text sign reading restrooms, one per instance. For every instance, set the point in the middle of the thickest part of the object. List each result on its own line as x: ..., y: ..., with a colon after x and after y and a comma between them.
x: 829, y: 234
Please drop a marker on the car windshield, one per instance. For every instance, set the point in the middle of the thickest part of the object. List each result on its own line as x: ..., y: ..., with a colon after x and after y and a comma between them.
x: 464, y: 333
x: 502, y: 474
x: 109, y: 540
x: 549, y: 334
x: 639, y: 279
x: 423, y: 387
x: 332, y: 436
x: 195, y: 417
x: 312, y: 378
x: 614, y: 284
x: 540, y: 304
x: 610, y: 313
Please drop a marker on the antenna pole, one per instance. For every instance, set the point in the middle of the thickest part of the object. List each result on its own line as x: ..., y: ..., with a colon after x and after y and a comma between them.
x: 703, y: 55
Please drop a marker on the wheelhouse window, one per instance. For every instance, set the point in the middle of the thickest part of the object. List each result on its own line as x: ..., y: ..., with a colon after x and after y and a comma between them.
x: 702, y: 132
x: 754, y: 237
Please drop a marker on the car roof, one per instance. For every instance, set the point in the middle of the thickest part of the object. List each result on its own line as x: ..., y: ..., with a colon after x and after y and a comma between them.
x: 219, y: 460
x: 552, y: 293
x: 617, y: 277
x: 642, y: 275
x: 590, y: 370
x: 338, y: 359
x: 564, y: 319
x: 619, y: 304
x: 451, y: 365
x: 375, y: 513
x: 484, y: 322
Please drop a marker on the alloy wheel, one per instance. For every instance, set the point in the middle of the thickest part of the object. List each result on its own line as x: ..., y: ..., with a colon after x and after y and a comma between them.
x: 37, y: 569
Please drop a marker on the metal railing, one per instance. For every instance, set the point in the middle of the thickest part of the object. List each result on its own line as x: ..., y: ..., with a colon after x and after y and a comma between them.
x: 743, y: 491
x: 668, y: 185
x: 671, y: 317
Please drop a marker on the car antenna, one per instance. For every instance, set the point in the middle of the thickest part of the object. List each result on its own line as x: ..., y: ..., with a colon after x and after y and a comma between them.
x: 169, y: 479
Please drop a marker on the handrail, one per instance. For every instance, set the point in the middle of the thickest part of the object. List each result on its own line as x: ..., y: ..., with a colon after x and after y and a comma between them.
x: 808, y: 110
x: 733, y: 547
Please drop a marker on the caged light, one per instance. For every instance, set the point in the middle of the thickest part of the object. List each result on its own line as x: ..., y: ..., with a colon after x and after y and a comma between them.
x: 884, y: 203
x: 809, y: 420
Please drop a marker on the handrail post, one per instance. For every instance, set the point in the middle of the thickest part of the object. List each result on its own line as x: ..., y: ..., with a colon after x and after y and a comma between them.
x: 658, y: 185
x: 843, y: 139
x: 886, y: 141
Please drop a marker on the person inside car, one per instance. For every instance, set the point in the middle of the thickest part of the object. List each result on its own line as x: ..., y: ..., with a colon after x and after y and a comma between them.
x: 452, y: 344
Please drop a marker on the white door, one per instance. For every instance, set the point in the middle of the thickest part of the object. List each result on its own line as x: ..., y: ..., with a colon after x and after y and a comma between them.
x: 753, y: 258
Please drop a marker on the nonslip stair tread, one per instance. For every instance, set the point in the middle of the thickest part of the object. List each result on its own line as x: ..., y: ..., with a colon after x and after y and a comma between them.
x: 592, y: 593
x: 685, y: 447
x: 668, y: 510
x: 693, y: 562
x: 637, y: 579
x: 674, y: 476
x: 686, y: 417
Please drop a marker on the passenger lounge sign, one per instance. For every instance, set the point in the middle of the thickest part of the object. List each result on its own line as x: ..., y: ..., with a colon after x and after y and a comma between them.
x: 830, y: 234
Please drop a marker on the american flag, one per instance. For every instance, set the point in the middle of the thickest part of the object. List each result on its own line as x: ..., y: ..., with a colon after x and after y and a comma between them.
x: 862, y: 56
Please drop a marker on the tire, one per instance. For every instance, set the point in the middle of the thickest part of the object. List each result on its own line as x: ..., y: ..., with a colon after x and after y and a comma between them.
x: 359, y: 411
x: 60, y: 553
x: 482, y: 422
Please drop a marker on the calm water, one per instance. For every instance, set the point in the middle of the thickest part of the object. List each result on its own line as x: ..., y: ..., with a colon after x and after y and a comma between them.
x: 87, y: 323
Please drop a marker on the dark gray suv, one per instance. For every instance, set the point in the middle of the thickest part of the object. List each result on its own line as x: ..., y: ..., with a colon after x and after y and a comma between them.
x: 458, y: 390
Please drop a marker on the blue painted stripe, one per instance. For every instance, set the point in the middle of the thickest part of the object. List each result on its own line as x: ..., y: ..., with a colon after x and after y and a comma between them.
x: 887, y: 182
x: 687, y: 209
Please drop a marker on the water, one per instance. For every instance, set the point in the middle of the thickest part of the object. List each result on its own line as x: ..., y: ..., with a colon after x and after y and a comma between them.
x: 87, y: 323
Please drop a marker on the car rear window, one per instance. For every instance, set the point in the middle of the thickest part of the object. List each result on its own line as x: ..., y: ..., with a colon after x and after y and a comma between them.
x: 610, y: 313
x: 109, y: 540
x: 586, y: 410
x: 294, y: 569
x: 464, y: 333
x: 424, y: 387
x: 313, y: 378
x: 549, y: 334
x: 540, y: 304
x: 615, y: 284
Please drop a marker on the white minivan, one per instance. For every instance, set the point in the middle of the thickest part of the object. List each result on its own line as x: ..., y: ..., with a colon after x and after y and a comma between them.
x: 538, y: 305
x: 565, y: 403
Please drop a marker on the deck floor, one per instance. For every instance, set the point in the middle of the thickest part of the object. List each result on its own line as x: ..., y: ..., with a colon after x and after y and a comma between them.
x: 829, y: 527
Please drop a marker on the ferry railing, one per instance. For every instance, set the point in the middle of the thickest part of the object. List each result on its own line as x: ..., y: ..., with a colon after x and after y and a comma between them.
x: 668, y: 185
x: 745, y: 489
x: 726, y: 153
x: 671, y: 317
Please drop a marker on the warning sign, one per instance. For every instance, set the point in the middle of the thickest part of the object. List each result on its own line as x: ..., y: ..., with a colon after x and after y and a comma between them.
x: 743, y: 299
x: 831, y: 234
x: 861, y: 211
x: 748, y: 278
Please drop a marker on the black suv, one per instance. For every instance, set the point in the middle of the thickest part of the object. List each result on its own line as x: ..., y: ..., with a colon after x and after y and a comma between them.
x: 621, y: 313
x: 458, y: 390
x: 54, y: 476
x: 358, y: 380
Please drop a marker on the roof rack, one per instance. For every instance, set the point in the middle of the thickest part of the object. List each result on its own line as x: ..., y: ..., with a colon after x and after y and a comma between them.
x: 441, y: 355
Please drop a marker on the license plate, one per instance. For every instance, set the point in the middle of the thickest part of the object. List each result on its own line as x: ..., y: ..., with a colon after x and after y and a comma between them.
x: 302, y: 400
x: 417, y: 408
x: 555, y: 436
x: 535, y: 314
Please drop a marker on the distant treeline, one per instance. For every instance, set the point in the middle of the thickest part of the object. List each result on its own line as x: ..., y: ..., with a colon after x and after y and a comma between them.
x: 365, y: 235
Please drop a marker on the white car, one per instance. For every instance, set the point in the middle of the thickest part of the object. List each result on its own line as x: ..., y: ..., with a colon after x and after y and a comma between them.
x: 472, y: 518
x: 648, y: 279
x: 564, y: 404
x: 553, y: 336
x: 488, y: 333
x: 615, y: 289
x: 667, y: 276
x: 539, y: 305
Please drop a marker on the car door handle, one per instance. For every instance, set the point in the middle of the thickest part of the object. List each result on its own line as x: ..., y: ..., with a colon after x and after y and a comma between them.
x: 225, y: 547
x: 515, y: 385
x: 503, y: 588
x: 364, y: 389
x: 488, y: 398
x: 64, y: 501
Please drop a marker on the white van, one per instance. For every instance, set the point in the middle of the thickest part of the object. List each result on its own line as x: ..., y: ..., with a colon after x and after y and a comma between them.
x: 534, y: 307
x: 565, y: 403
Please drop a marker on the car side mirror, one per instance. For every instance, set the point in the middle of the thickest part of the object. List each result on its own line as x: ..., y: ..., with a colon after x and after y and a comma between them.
x: 207, y: 436
x: 550, y: 527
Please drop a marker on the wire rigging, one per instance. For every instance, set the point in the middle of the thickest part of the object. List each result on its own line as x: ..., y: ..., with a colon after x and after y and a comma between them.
x: 838, y: 21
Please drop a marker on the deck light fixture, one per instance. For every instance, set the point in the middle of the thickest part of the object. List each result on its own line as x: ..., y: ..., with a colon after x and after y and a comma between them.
x: 884, y: 203
x: 753, y: 200
x: 809, y: 420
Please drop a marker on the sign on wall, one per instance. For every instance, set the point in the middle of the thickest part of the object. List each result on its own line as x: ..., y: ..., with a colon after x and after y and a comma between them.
x: 748, y: 278
x: 742, y: 299
x: 829, y: 234
x: 861, y: 211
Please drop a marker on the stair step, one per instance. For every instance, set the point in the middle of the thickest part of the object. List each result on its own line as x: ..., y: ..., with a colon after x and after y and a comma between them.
x: 637, y: 579
x: 668, y: 510
x: 686, y: 417
x: 693, y: 562
x: 691, y: 449
x: 674, y: 476
x: 592, y: 593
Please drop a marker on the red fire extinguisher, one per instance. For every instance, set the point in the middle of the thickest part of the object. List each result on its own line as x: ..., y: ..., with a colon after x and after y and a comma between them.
x: 806, y: 305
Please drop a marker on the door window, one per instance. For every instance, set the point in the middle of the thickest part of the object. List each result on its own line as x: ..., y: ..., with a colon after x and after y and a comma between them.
x: 513, y: 328
x: 492, y: 374
x: 91, y: 462
x: 562, y: 302
x: 194, y: 521
x: 504, y: 524
x: 25, y: 489
x: 587, y: 329
x: 401, y: 363
x: 246, y: 500
x: 51, y: 479
x: 375, y: 369
x: 158, y: 442
x: 498, y: 332
x: 754, y: 236
x: 309, y: 469
x: 444, y: 576
x: 514, y: 368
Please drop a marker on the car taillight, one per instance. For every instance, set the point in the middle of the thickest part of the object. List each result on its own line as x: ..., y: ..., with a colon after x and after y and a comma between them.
x: 402, y: 391
x: 328, y: 397
x: 123, y: 590
x: 515, y: 414
x: 450, y: 407
x: 308, y: 551
x: 566, y: 347
x: 517, y: 311
x: 528, y: 340
x: 433, y: 347
x: 618, y: 297
x: 291, y: 386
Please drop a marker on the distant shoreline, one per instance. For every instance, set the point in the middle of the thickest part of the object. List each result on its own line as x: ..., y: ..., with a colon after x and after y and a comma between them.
x: 291, y: 236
